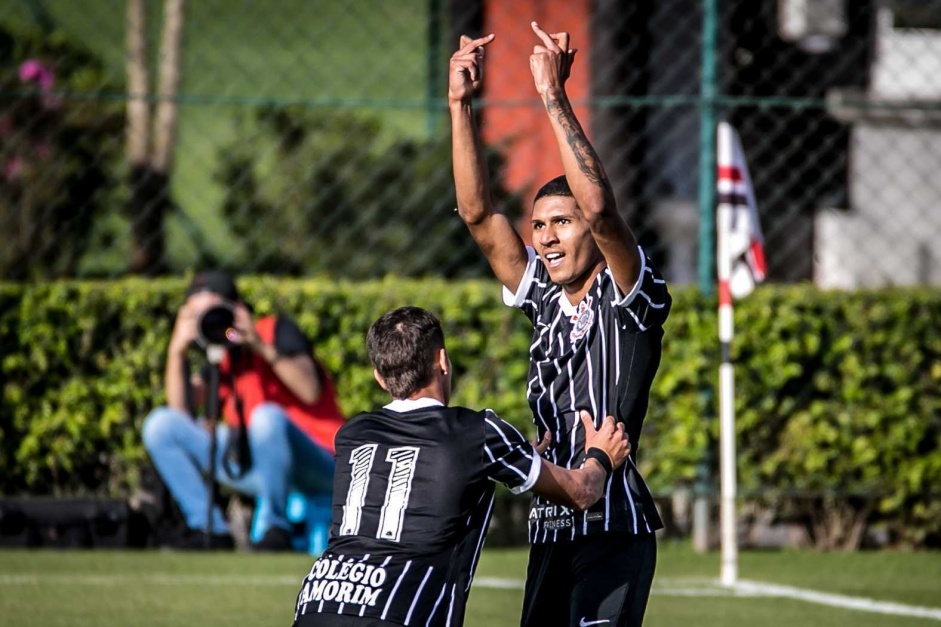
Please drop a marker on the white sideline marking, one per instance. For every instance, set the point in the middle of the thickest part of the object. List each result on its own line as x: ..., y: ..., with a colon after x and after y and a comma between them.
x: 500, y: 583
x: 164, y: 580
x: 663, y: 586
x: 837, y: 600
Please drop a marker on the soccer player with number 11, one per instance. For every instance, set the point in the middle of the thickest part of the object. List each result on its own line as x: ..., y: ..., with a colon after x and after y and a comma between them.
x: 414, y: 486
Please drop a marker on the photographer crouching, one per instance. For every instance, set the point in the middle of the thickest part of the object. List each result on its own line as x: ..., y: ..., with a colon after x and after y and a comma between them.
x: 278, y: 408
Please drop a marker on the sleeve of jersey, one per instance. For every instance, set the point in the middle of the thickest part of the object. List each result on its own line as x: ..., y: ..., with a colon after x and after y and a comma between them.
x: 648, y: 302
x: 510, y: 458
x: 529, y: 291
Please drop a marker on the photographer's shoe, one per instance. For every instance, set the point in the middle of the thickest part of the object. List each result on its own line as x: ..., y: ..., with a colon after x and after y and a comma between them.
x: 275, y: 539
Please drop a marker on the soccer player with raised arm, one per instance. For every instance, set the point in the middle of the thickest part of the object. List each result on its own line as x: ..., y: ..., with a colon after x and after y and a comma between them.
x: 597, y: 305
x: 414, y: 485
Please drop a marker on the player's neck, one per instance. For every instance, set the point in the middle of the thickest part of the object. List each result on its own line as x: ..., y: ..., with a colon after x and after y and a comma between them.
x: 433, y: 391
x: 575, y: 290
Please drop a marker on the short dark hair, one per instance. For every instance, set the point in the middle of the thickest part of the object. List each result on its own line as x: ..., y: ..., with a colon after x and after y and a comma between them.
x: 559, y: 186
x: 403, y: 345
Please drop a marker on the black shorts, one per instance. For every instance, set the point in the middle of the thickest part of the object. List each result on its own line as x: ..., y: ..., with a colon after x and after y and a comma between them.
x: 601, y: 579
x: 340, y: 620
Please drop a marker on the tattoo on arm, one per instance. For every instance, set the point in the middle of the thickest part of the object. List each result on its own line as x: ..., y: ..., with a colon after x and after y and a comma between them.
x: 585, y: 156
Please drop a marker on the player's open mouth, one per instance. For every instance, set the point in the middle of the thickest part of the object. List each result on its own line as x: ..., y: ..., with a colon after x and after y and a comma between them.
x: 553, y: 260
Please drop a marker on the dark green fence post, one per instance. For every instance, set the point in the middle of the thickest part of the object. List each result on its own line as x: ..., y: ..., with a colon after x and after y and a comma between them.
x: 708, y: 93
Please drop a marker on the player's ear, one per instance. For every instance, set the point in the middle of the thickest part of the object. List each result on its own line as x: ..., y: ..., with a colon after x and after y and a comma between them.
x: 444, y: 362
x: 379, y: 379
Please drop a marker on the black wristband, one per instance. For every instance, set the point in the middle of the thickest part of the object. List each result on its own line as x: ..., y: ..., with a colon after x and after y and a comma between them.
x: 602, y: 457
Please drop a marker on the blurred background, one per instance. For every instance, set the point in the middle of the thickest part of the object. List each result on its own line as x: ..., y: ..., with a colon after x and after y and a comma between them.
x: 304, y: 145
x: 305, y: 137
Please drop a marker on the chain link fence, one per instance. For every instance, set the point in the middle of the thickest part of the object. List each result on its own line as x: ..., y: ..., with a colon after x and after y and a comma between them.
x: 311, y: 138
x: 302, y: 137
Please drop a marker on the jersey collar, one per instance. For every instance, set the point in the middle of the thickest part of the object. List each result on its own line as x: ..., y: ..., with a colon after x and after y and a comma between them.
x: 401, y: 405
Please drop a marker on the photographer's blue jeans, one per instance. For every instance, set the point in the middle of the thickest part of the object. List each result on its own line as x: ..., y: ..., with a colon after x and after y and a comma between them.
x: 284, y: 458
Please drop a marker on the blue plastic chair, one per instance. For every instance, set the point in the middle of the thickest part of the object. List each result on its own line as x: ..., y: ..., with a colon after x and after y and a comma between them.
x: 310, y: 516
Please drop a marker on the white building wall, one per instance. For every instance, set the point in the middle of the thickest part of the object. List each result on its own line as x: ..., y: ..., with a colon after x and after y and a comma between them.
x: 891, y: 233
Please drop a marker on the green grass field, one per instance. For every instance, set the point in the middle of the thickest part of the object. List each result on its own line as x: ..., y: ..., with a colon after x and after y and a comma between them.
x: 105, y: 589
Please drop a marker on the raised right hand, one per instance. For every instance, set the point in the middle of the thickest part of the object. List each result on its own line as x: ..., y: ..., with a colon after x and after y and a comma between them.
x: 465, y: 72
x: 551, y: 62
x: 610, y: 438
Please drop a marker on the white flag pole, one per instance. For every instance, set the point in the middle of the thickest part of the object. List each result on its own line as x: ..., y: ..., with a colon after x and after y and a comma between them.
x: 724, y: 218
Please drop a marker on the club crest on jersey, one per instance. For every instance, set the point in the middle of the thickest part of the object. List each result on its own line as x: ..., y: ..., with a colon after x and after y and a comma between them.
x: 582, y: 319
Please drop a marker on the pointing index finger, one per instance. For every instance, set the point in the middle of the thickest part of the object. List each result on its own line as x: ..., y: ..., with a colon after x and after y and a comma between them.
x: 545, y: 37
x: 468, y: 45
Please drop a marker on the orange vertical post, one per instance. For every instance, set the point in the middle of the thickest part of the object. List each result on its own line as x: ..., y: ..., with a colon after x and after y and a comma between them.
x: 515, y: 119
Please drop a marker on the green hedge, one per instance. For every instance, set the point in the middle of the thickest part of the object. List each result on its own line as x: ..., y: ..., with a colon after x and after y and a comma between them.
x: 837, y: 393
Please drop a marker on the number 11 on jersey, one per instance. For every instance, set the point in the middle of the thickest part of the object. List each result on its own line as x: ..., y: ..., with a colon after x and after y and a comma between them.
x: 392, y: 514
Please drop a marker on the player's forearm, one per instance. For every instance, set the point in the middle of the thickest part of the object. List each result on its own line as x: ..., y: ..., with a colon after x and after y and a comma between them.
x: 591, y: 479
x: 583, y: 168
x: 471, y: 178
x: 578, y: 489
x: 592, y: 191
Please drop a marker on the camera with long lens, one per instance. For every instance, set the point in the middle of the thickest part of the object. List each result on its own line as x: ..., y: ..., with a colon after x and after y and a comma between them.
x: 216, y: 326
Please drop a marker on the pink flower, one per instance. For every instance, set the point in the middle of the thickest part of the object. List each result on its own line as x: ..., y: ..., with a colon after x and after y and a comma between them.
x: 30, y: 70
x: 33, y: 71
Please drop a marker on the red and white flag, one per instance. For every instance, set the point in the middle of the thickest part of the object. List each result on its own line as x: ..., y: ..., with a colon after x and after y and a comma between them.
x: 741, y: 262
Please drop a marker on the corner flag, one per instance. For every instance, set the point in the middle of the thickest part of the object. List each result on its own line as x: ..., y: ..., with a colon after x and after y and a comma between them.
x: 738, y: 217
x: 740, y: 265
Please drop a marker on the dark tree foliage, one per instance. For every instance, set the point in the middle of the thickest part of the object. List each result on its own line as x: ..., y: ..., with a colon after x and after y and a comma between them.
x: 328, y: 192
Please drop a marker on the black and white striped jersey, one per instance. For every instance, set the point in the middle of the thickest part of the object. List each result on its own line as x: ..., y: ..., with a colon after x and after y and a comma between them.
x: 600, y: 355
x: 413, y: 494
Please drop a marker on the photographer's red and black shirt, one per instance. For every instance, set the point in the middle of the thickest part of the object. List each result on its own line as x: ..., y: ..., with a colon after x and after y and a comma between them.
x: 256, y: 383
